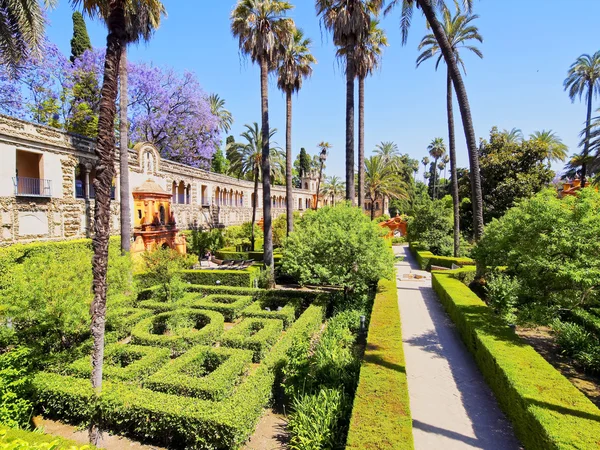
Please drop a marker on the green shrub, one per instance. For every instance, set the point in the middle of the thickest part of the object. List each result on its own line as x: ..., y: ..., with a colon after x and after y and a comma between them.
x: 381, y: 412
x: 239, y: 278
x: 230, y: 306
x: 124, y: 362
x: 12, y: 439
x: 257, y: 335
x: 15, y: 388
x: 576, y: 342
x: 281, y: 309
x: 203, y: 372
x: 503, y: 295
x: 199, y: 242
x: 163, y: 269
x: 315, y: 421
x: 546, y: 410
x: 122, y: 320
x: 426, y: 259
x: 179, y: 330
x: 432, y: 225
x: 590, y: 321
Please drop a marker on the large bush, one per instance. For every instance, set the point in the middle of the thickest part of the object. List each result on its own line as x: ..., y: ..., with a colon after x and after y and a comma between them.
x: 163, y: 269
x: 432, y: 226
x: 551, y: 246
x: 338, y: 246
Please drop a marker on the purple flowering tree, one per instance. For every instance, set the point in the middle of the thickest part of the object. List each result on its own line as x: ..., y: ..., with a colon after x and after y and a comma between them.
x: 172, y: 111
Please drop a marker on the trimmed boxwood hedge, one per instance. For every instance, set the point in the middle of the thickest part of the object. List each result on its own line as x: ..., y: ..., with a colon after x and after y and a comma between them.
x: 176, y: 421
x: 35, y: 440
x: 122, y: 320
x: 253, y: 334
x: 240, y: 278
x: 287, y: 313
x: 426, y: 259
x: 546, y: 410
x: 144, y: 332
x: 232, y: 253
x: 230, y: 306
x: 381, y: 411
x: 124, y: 362
x: 187, y: 375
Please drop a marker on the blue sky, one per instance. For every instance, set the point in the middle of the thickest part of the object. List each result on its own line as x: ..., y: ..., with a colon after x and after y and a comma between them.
x: 528, y: 48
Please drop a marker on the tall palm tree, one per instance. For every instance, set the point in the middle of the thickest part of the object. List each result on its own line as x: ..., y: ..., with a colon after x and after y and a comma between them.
x: 367, y: 58
x: 217, y: 107
x: 333, y: 187
x: 428, y: 9
x: 556, y: 149
x: 425, y: 162
x: 262, y: 29
x: 513, y: 136
x: 319, y: 161
x: 349, y: 21
x: 246, y: 159
x: 121, y: 18
x: 584, y: 78
x: 388, y: 151
x: 382, y: 180
x: 459, y: 32
x: 295, y: 64
x: 22, y: 26
x: 436, y: 149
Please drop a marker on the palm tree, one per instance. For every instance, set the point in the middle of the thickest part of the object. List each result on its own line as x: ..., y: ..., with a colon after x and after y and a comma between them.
x: 349, y: 21
x: 436, y: 149
x: 445, y: 160
x: 388, y: 151
x: 367, y: 57
x: 459, y: 32
x: 217, y: 107
x: 295, y: 64
x: 425, y: 162
x: 584, y: 77
x: 262, y: 29
x: 513, y: 136
x: 573, y: 167
x: 333, y: 187
x: 22, y: 26
x: 382, y: 180
x: 122, y: 19
x: 320, y: 161
x: 246, y: 159
x: 428, y: 9
x: 556, y: 150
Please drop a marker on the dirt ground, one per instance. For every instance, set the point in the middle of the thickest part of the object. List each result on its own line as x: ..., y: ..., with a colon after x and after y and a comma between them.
x: 542, y: 340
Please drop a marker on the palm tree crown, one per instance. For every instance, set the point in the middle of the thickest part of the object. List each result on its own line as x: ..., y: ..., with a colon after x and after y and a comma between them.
x: 246, y: 157
x: 382, y: 180
x: 295, y: 63
x: 217, y: 107
x: 513, y: 136
x: 437, y: 148
x: 388, y: 151
x: 584, y: 77
x: 334, y: 187
x: 556, y: 150
x: 368, y: 52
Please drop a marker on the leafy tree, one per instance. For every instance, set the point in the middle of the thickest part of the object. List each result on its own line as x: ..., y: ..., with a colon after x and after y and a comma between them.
x: 337, y: 246
x: 431, y: 226
x: 163, y: 267
x: 304, y: 163
x: 511, y: 171
x: 550, y: 246
x: 80, y: 42
x: 382, y: 181
x: 460, y: 32
x: 295, y: 64
x: 217, y: 107
x: 261, y: 26
x: 428, y: 8
x: 584, y: 78
x: 219, y: 163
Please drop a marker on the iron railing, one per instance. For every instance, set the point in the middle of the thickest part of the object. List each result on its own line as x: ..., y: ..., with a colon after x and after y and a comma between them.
x: 32, y: 187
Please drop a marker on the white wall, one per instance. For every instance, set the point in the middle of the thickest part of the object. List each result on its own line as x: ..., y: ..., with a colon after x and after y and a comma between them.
x: 8, y: 156
x: 53, y: 172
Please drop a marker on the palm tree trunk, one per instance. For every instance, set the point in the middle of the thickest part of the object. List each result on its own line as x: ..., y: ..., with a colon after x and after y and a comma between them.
x: 465, y: 111
x: 105, y: 171
x: 435, y: 178
x: 373, y: 207
x: 361, y: 142
x: 319, y: 185
x: 288, y: 164
x: 586, y: 144
x: 453, y: 171
x: 266, y: 172
x: 350, y: 191
x: 254, y: 208
x: 124, y: 156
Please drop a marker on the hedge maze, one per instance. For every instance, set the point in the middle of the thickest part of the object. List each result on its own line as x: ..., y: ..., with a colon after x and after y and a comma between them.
x: 176, y: 377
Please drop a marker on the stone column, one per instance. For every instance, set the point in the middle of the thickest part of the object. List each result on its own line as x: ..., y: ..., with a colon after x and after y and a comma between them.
x: 86, y: 187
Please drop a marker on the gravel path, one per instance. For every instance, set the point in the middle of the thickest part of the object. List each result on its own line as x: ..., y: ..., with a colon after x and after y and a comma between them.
x: 452, y: 406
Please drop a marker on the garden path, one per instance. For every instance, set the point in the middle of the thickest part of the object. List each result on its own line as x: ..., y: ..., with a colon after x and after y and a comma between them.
x: 452, y: 407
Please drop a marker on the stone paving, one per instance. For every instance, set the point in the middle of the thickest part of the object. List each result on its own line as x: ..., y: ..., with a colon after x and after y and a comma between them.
x: 452, y: 406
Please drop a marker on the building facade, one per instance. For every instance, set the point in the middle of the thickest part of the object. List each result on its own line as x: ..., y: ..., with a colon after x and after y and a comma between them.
x: 46, y: 187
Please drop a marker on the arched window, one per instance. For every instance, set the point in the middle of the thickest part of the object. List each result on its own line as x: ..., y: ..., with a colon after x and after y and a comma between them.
x: 174, y: 192
x: 162, y: 215
x: 306, y: 185
x: 181, y: 193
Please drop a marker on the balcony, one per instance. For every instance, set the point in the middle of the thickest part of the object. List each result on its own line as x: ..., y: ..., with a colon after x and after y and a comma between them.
x: 80, y: 192
x: 32, y: 187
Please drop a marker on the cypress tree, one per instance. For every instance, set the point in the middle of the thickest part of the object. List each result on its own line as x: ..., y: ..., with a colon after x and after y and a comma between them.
x: 81, y: 40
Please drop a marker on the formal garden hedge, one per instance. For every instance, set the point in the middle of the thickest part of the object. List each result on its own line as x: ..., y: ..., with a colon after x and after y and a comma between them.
x: 546, y: 410
x: 426, y: 259
x: 230, y: 306
x: 254, y: 334
x: 233, y: 253
x: 16, y: 439
x: 381, y: 412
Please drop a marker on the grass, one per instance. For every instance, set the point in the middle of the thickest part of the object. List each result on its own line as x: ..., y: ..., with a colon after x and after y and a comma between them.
x: 381, y: 413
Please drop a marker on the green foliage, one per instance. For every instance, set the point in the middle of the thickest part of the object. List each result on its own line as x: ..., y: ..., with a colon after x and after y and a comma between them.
x: 240, y: 278
x: 551, y: 246
x: 220, y: 164
x: 546, y: 410
x: 432, y: 226
x: 203, y: 372
x: 81, y: 40
x: 203, y: 241
x: 238, y: 236
x: 280, y: 228
x: 589, y: 320
x: 338, y: 246
x: 510, y: 171
x: 576, y: 342
x: 254, y: 334
x: 273, y: 308
x: 12, y: 439
x: 503, y: 295
x: 122, y: 319
x: 163, y: 268
x: 15, y: 388
x: 426, y: 259
x: 230, y: 306
x: 381, y: 411
x: 314, y: 425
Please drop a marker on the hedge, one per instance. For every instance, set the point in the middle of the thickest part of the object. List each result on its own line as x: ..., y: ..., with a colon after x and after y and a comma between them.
x: 426, y: 259
x: 11, y: 438
x: 253, y: 334
x: 122, y: 320
x: 179, y: 422
x: 232, y: 253
x: 287, y: 313
x: 240, y: 278
x: 149, y: 331
x: 204, y: 372
x: 546, y: 410
x: 381, y: 412
x: 124, y: 362
x: 230, y: 306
